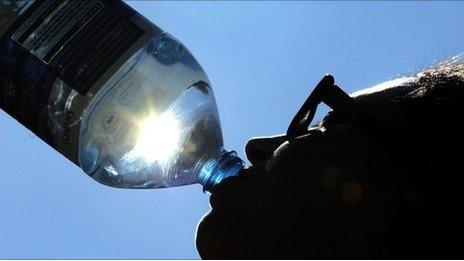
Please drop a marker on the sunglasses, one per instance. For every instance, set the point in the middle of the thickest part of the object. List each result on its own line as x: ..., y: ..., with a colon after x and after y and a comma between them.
x: 340, y: 102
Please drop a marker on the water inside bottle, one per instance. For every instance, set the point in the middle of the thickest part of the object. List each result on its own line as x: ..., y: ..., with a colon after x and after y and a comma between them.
x: 152, y: 128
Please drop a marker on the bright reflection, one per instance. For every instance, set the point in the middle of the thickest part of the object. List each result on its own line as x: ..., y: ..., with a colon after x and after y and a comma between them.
x: 157, y: 138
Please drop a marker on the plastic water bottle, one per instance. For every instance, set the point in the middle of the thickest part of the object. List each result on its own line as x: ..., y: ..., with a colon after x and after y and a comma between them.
x: 112, y: 92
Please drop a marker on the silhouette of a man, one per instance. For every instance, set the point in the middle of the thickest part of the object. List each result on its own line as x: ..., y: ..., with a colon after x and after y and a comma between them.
x: 348, y: 189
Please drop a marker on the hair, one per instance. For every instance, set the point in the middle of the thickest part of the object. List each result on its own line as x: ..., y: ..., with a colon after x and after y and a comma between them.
x: 425, y: 97
x: 443, y: 82
x: 426, y: 111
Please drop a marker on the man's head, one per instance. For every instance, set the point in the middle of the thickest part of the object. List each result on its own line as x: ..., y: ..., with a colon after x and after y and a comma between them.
x: 338, y: 191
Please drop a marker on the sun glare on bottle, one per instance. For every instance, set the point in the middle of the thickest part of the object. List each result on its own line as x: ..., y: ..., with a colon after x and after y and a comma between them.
x: 157, y: 138
x: 158, y: 126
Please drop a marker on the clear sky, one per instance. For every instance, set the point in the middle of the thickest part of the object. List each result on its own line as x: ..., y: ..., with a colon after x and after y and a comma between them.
x: 263, y: 59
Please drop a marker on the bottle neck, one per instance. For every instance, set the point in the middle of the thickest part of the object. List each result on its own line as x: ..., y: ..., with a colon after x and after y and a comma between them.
x: 215, y: 170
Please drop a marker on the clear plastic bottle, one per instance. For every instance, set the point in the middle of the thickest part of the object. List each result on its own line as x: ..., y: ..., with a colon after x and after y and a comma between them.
x: 157, y: 125
x: 112, y: 92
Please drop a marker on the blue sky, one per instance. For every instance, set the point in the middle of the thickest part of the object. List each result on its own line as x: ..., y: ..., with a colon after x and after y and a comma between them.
x: 263, y: 58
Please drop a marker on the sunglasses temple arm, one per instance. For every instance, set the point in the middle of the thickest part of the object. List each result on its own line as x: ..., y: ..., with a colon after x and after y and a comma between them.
x: 332, y: 95
x: 300, y: 123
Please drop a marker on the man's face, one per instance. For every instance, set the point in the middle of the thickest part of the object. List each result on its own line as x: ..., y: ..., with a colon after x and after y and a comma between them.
x: 309, y: 197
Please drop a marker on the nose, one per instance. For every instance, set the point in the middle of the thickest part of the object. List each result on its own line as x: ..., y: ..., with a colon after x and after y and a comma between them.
x: 260, y: 149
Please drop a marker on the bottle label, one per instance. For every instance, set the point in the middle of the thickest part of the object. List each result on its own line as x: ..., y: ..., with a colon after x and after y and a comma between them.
x: 65, y: 19
x: 57, y: 54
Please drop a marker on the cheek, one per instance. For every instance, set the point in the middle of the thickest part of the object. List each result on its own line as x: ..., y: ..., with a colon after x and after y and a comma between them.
x: 298, y: 157
x: 335, y: 170
x: 277, y: 158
